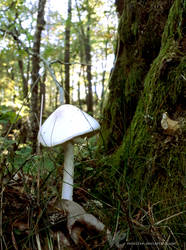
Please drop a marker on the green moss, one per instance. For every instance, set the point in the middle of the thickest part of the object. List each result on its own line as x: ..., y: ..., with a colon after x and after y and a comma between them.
x: 162, y: 88
x: 173, y: 28
x: 151, y: 168
x: 136, y: 51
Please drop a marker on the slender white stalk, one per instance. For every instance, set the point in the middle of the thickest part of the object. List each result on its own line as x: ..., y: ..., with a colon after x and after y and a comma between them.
x: 68, y: 173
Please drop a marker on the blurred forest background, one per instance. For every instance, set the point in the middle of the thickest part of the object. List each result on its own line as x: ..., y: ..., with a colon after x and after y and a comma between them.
x: 43, y: 48
x: 123, y: 62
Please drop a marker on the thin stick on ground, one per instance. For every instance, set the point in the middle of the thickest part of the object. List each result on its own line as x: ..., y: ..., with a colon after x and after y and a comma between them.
x: 168, y: 218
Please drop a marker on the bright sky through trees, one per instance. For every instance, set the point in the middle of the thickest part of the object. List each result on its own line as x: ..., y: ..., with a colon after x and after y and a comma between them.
x: 103, y: 28
x: 105, y: 20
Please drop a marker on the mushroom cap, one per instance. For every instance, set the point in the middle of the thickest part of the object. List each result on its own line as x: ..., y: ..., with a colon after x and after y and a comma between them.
x: 66, y: 123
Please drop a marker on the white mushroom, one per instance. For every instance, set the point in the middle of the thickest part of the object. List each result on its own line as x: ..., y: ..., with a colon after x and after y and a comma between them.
x: 65, y: 126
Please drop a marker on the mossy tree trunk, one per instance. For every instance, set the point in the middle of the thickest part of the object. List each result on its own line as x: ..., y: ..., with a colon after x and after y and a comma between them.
x: 149, y: 78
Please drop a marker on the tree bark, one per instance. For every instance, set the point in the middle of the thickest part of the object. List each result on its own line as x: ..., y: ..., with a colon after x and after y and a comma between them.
x: 35, y: 73
x: 148, y: 79
x: 24, y: 79
x: 89, y: 73
x: 86, y: 53
x: 67, y: 53
x: 138, y: 45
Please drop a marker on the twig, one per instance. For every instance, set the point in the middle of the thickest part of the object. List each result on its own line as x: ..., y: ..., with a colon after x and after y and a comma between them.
x: 61, y: 91
x: 38, y: 242
x: 173, y: 235
x: 40, y: 122
x: 139, y: 224
x: 183, y: 77
x: 38, y: 149
x: 116, y: 228
x: 168, y: 218
x: 71, y: 63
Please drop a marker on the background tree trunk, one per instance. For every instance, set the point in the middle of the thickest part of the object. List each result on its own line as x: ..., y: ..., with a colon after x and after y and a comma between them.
x: 35, y: 73
x: 148, y: 79
x: 67, y: 53
x: 89, y: 74
x: 24, y: 79
x: 86, y: 54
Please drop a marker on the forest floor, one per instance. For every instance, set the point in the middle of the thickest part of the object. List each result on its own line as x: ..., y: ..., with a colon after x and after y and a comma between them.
x: 33, y: 217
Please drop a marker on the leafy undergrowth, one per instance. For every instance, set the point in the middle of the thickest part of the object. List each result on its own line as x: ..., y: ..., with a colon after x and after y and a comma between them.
x: 32, y: 214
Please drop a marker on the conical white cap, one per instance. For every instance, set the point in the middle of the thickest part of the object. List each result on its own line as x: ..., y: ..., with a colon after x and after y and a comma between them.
x: 66, y: 123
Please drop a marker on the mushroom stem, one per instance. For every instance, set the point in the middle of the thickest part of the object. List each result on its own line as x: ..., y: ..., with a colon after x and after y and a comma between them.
x: 68, y: 172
